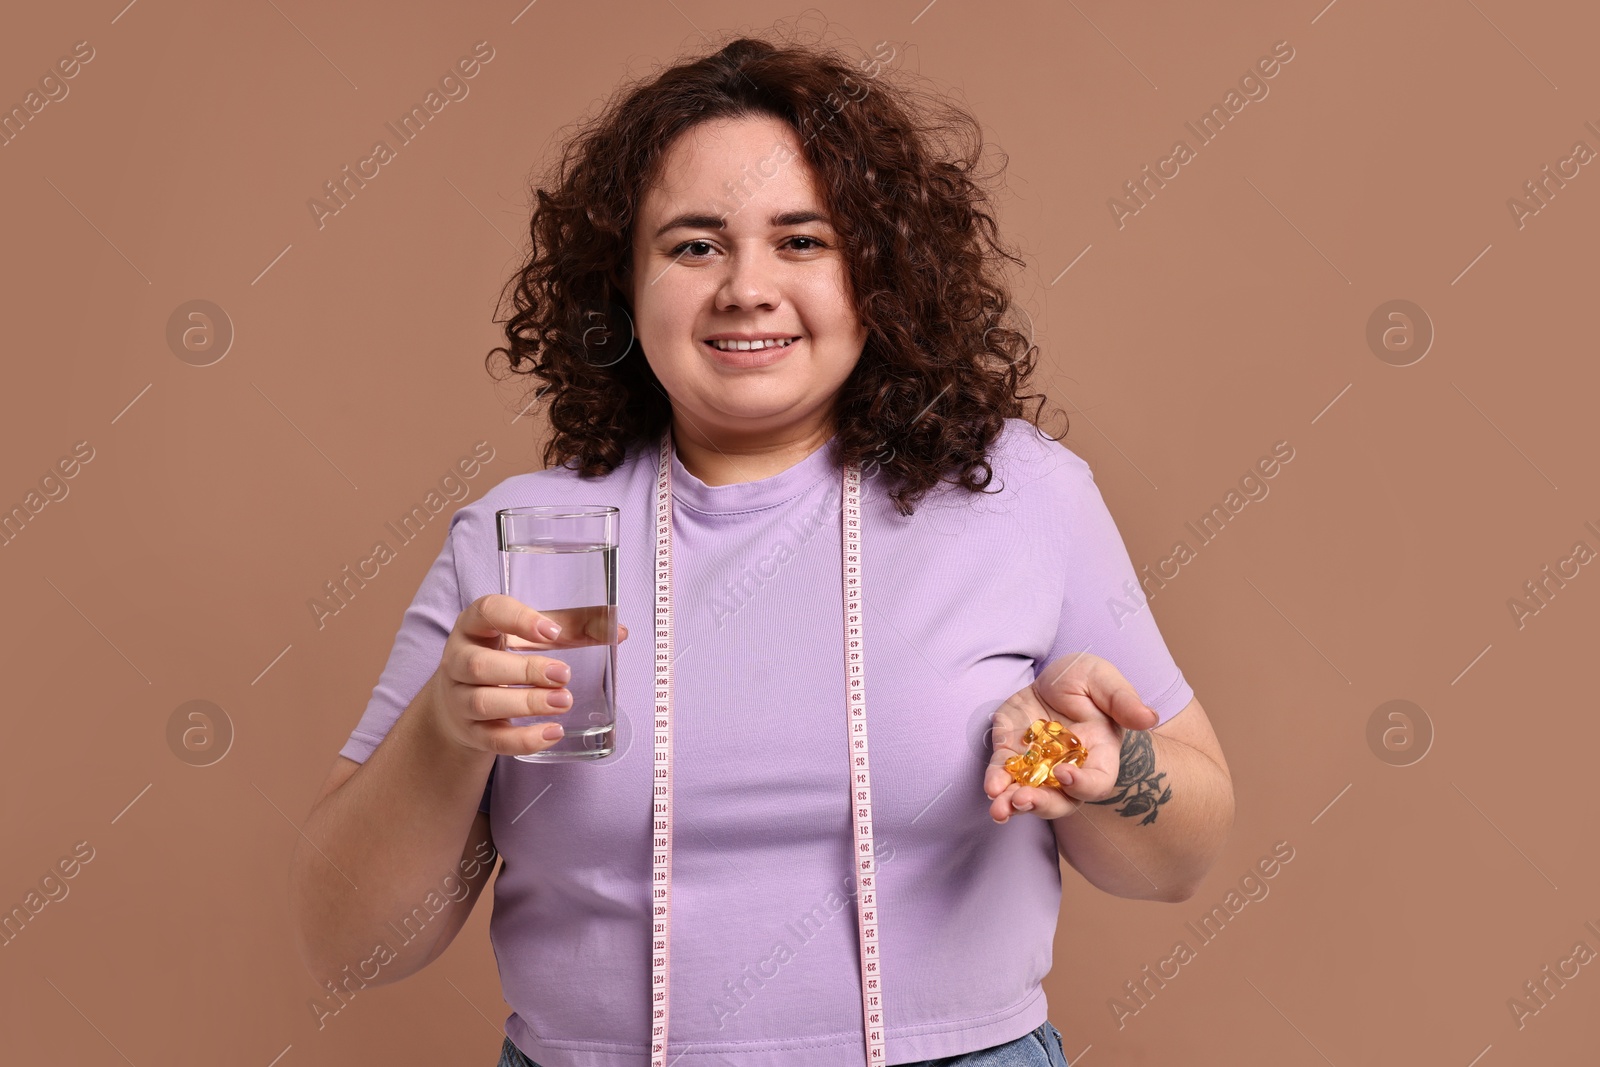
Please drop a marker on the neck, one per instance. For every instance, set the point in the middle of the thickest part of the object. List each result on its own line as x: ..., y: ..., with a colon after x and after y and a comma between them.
x: 727, y: 459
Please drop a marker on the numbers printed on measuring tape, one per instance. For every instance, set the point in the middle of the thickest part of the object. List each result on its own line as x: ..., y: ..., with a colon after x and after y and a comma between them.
x: 867, y: 931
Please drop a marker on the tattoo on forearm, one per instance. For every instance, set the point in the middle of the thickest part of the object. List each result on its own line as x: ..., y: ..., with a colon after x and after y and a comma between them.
x: 1139, y: 788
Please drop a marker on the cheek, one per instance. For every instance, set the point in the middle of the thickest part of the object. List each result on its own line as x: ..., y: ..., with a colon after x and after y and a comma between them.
x: 828, y: 307
x: 664, y: 305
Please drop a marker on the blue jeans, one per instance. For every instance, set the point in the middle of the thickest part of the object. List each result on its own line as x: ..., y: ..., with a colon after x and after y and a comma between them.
x: 1040, y: 1048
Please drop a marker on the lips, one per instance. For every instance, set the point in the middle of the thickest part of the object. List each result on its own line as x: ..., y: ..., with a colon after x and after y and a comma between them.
x: 739, y: 344
x: 759, y: 352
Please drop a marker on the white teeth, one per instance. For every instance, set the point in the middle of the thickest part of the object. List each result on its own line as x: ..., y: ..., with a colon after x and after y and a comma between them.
x: 750, y: 346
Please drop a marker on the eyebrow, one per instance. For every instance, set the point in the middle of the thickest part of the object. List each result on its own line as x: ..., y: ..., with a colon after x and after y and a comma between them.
x: 703, y: 221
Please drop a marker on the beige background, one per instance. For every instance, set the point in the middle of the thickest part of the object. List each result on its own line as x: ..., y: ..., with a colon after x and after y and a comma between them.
x: 1229, y: 314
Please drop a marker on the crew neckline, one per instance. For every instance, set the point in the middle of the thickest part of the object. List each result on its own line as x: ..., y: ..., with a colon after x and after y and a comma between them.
x: 787, y: 484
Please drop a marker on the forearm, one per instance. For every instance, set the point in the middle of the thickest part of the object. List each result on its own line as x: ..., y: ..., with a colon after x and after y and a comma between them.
x: 373, y: 850
x: 1155, y: 838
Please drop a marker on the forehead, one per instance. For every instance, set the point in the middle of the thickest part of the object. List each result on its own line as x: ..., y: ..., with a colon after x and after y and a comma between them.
x: 726, y: 163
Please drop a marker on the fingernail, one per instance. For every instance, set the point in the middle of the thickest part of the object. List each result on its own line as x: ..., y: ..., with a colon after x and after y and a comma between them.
x: 550, y: 630
x: 561, y: 699
x: 553, y: 731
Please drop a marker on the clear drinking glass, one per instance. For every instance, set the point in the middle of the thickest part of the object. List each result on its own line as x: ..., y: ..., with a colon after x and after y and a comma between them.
x: 561, y: 560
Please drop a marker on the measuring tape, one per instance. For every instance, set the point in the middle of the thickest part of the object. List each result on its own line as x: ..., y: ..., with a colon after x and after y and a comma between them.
x: 866, y: 870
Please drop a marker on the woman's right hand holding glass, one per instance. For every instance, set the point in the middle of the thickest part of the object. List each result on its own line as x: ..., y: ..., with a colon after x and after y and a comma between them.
x: 471, y: 703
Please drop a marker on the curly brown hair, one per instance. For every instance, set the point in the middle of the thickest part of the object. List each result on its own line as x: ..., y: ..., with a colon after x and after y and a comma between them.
x: 899, y: 170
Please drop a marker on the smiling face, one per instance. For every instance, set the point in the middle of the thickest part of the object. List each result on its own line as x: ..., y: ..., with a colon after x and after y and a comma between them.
x: 740, y: 294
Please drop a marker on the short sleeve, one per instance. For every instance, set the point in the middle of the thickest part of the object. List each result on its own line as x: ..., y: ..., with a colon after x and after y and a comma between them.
x: 413, y: 658
x: 1104, y: 610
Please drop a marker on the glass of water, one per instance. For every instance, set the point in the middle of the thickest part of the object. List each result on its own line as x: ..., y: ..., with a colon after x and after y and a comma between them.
x: 561, y: 561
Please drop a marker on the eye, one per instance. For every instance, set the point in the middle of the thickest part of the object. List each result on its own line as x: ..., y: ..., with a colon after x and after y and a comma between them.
x: 692, y: 243
x: 814, y: 243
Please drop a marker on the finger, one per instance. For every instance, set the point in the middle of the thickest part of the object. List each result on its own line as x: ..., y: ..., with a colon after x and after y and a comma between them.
x: 1096, y: 779
x: 594, y: 624
x: 1012, y: 800
x: 1116, y: 696
x: 1019, y: 799
x: 509, y: 740
x: 1103, y: 684
x: 1043, y: 801
x: 484, y: 702
x: 1000, y: 808
x: 494, y: 615
x: 476, y: 665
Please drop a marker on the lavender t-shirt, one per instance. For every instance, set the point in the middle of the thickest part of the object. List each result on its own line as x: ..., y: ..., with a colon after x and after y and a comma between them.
x: 966, y: 601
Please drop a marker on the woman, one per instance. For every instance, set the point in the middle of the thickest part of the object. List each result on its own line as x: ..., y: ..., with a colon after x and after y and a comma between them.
x: 763, y: 296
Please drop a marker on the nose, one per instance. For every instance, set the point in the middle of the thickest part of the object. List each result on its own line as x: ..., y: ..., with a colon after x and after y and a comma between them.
x: 749, y: 281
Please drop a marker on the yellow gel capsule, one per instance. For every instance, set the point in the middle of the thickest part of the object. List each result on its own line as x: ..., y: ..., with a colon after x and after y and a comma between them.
x: 1049, y: 743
